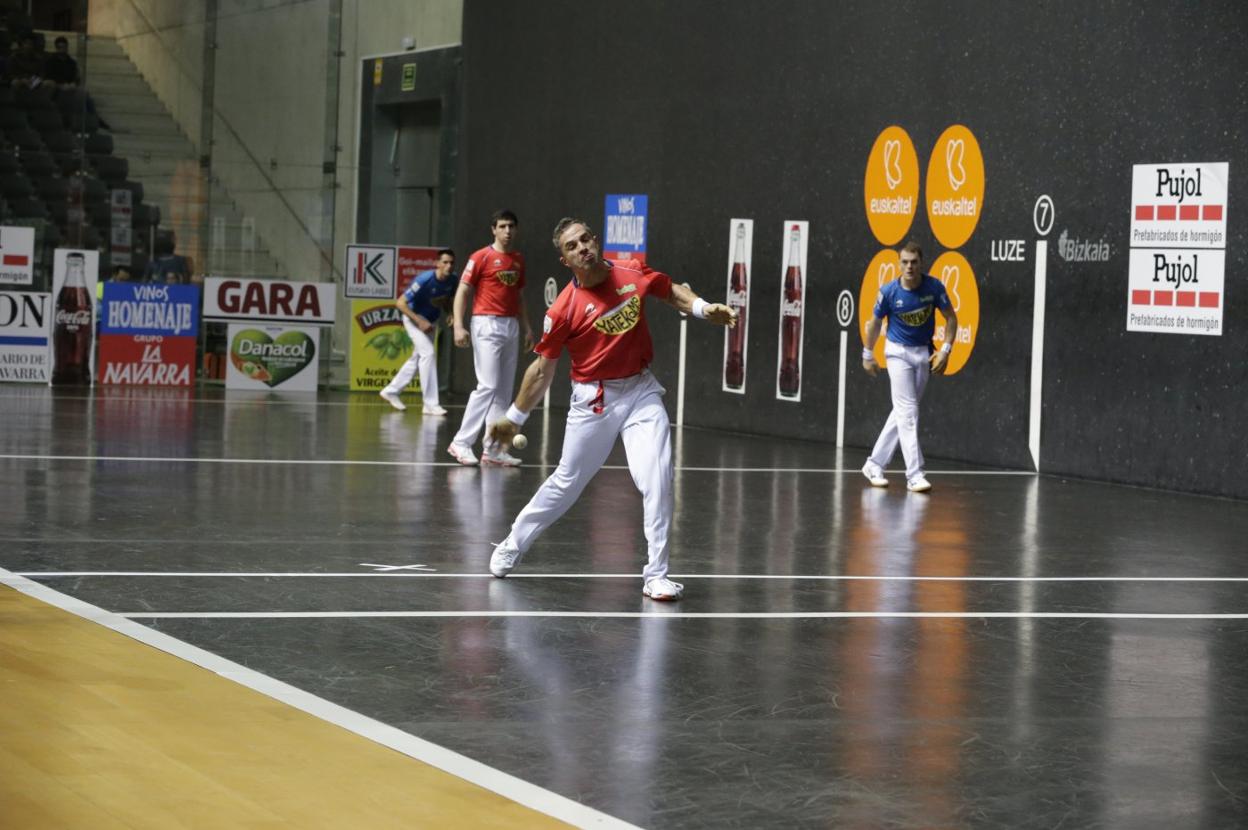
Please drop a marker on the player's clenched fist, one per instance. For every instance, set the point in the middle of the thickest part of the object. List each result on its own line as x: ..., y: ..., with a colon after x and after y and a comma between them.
x: 721, y: 315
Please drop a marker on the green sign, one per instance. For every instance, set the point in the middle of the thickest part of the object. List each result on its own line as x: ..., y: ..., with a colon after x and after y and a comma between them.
x: 409, y: 77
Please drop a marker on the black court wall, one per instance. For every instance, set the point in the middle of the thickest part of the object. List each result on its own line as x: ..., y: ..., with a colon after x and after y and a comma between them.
x: 770, y: 112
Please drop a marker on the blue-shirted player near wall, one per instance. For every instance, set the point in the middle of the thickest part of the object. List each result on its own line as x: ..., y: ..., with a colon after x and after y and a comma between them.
x: 421, y: 304
x: 910, y: 305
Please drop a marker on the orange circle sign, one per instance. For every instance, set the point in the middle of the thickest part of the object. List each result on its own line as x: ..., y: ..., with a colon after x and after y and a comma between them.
x: 955, y: 272
x: 891, y: 186
x: 884, y: 268
x: 955, y: 186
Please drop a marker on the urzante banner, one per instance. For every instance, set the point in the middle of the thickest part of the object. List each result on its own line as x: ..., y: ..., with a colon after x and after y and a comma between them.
x: 148, y: 334
x: 74, y: 275
x: 24, y: 318
x: 736, y: 339
x: 273, y: 301
x: 272, y: 357
x: 379, y: 345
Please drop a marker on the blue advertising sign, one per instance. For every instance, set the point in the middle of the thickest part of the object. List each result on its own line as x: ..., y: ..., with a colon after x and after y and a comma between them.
x: 625, y: 227
x: 150, y: 309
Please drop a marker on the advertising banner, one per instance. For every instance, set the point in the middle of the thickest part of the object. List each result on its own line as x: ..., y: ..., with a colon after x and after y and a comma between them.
x: 736, y: 339
x: 792, y: 305
x: 413, y: 261
x: 148, y: 334
x: 1177, y: 264
x: 269, y: 301
x: 272, y: 357
x: 17, y: 256
x: 379, y: 345
x: 74, y: 277
x: 24, y: 353
x: 370, y: 272
x: 624, y: 228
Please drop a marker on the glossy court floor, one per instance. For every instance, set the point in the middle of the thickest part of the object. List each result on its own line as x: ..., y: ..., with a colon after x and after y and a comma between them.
x: 1008, y: 651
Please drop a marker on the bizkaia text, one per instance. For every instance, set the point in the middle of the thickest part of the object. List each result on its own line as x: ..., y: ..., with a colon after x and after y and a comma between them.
x: 1178, y: 187
x: 1175, y: 270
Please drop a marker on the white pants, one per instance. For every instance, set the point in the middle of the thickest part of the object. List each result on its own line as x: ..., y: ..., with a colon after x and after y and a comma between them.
x: 908, y: 371
x: 423, y: 358
x: 633, y: 409
x: 495, y: 347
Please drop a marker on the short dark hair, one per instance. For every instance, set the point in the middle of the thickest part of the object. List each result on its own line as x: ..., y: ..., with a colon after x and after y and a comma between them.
x: 562, y: 225
x: 913, y: 248
x: 500, y: 215
x: 60, y: 40
x: 445, y: 252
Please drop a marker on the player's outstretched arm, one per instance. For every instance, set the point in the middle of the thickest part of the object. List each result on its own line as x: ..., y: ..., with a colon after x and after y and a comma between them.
x: 537, y: 379
x: 685, y: 301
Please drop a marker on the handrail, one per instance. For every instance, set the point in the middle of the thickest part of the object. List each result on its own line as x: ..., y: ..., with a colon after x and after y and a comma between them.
x: 152, y: 29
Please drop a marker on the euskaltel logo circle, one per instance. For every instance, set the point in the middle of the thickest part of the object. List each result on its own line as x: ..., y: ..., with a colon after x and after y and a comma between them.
x: 952, y: 269
x: 890, y: 187
x: 884, y: 268
x: 955, y: 186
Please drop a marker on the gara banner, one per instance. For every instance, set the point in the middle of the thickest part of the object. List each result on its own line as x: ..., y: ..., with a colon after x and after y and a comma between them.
x: 272, y: 357
x: 24, y: 318
x: 148, y: 334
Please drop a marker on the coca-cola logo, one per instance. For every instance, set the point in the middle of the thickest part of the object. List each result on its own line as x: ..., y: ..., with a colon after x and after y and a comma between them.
x: 791, y: 308
x: 73, y: 318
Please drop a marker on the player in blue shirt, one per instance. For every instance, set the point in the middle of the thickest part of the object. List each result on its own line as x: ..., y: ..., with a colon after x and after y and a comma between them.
x: 421, y: 304
x: 910, y: 305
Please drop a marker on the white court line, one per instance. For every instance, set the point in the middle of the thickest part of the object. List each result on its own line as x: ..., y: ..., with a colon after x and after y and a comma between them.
x: 508, y: 786
x: 371, y: 463
x: 483, y: 575
x: 676, y: 613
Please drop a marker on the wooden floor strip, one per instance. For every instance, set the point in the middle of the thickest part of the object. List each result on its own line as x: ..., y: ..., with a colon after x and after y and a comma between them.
x: 100, y: 731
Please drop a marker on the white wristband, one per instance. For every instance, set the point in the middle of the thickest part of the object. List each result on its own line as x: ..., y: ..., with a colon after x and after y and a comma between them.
x: 867, y: 354
x: 945, y: 349
x: 699, y: 308
x: 516, y: 416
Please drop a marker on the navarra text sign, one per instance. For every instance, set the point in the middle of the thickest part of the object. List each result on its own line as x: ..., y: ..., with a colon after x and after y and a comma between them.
x: 24, y: 319
x: 148, y: 334
x: 1177, y: 264
x: 275, y: 301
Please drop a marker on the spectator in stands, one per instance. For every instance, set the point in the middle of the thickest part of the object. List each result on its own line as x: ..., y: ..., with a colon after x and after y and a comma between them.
x: 25, y: 67
x: 166, y: 266
x: 59, y: 67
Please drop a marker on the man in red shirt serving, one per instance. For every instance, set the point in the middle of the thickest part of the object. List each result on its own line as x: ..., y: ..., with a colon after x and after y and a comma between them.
x: 601, y: 318
x: 491, y: 283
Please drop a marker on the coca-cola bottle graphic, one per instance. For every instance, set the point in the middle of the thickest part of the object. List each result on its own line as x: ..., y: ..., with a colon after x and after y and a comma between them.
x: 791, y: 318
x: 738, y: 291
x: 71, y: 332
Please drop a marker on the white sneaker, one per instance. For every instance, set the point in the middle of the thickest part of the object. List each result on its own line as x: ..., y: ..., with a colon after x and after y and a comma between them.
x: 919, y: 484
x: 499, y: 458
x: 462, y: 454
x: 662, y: 589
x: 433, y: 410
x: 874, y: 475
x: 505, y: 558
x: 393, y: 400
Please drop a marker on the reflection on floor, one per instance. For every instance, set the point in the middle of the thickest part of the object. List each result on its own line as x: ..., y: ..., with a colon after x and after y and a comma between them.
x: 1008, y: 651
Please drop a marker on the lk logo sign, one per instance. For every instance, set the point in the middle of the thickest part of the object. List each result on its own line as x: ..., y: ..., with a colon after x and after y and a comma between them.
x: 370, y: 272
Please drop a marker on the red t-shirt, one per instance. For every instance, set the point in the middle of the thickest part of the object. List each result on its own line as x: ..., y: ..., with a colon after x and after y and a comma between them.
x: 497, y: 279
x: 604, y: 327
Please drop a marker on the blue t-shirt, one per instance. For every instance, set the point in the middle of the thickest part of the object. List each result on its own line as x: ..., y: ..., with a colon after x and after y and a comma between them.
x: 911, y: 316
x: 426, y: 288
